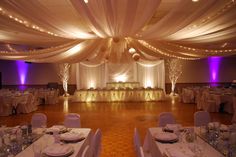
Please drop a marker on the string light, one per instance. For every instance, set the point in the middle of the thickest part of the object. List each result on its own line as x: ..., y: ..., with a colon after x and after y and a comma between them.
x: 38, y: 51
x: 64, y: 75
x: 175, y: 70
x: 25, y: 23
x: 144, y: 43
x: 209, y: 18
x: 205, y: 51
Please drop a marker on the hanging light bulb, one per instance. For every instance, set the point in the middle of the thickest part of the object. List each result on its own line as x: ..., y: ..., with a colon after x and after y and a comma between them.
x: 132, y: 50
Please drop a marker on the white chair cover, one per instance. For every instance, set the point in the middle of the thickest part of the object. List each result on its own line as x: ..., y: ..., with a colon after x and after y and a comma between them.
x: 72, y: 120
x: 5, y: 106
x: 188, y: 95
x: 95, y: 148
x: 27, y: 105
x: 52, y: 97
x: 39, y: 120
x: 166, y: 118
x: 201, y: 118
x: 137, y: 144
x: 234, y: 105
x: 85, y: 152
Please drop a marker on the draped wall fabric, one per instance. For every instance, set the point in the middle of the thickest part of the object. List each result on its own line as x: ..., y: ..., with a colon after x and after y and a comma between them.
x: 104, y: 30
x: 150, y: 74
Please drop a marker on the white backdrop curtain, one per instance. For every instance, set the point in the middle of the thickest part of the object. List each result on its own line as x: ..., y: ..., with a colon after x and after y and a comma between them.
x: 151, y: 74
x: 90, y: 76
x: 148, y: 74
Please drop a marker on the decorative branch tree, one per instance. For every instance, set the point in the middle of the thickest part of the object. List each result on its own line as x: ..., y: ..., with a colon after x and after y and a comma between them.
x: 175, y: 70
x: 64, y: 75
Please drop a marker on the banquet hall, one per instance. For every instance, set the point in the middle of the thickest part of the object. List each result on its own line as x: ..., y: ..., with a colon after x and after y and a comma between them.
x: 117, y: 78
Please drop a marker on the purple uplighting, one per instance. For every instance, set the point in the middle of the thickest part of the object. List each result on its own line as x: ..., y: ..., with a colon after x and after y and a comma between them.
x: 22, y: 68
x: 214, y: 63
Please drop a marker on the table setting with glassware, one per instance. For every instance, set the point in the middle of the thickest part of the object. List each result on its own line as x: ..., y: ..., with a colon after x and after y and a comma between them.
x: 56, y: 141
x: 173, y: 140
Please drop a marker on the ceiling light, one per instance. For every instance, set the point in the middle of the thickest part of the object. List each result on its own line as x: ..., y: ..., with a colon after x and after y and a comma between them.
x: 86, y: 1
x: 195, y: 0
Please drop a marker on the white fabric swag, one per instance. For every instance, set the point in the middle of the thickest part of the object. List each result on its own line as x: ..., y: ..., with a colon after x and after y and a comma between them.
x: 96, y: 76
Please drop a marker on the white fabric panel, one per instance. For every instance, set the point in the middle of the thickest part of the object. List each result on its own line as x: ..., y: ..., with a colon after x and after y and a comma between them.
x: 149, y: 74
x: 90, y: 77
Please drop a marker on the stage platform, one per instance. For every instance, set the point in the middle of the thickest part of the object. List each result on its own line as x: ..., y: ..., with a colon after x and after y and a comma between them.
x: 119, y: 95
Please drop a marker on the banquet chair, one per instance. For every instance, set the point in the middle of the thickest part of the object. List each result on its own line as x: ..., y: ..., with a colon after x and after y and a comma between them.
x: 85, y: 152
x: 166, y: 118
x: 72, y: 120
x: 95, y: 147
x: 201, y: 118
x: 5, y: 106
x: 39, y: 120
x: 137, y: 144
x: 27, y: 105
x: 234, y: 106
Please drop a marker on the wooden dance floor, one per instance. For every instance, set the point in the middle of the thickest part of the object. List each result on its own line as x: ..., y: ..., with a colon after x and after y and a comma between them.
x: 117, y: 120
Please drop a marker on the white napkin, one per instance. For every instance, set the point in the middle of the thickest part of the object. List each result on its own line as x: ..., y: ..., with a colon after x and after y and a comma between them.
x: 70, y: 136
x: 166, y: 136
x: 173, y: 126
x: 58, y: 150
x: 56, y: 128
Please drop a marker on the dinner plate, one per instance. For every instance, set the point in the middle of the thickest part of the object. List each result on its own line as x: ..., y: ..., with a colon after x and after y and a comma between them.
x: 58, y: 150
x: 72, y: 137
x: 166, y: 137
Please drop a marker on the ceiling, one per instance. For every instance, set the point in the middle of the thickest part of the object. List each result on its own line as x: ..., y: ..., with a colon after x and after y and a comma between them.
x: 105, y: 30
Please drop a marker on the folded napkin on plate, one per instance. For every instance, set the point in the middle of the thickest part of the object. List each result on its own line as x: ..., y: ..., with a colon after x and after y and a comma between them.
x: 58, y: 150
x: 177, y: 152
x: 173, y: 126
x: 166, y: 136
x: 70, y: 136
x: 57, y: 128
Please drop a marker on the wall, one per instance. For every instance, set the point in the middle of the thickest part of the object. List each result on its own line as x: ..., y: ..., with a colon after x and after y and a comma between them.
x: 42, y: 73
x: 37, y: 73
x: 198, y: 71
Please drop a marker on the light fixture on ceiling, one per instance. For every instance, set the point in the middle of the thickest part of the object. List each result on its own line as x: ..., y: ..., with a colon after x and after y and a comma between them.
x: 195, y: 0
x: 86, y: 1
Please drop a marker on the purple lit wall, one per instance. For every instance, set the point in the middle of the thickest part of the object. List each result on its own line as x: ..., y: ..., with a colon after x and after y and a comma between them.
x: 214, y: 63
x: 22, y: 69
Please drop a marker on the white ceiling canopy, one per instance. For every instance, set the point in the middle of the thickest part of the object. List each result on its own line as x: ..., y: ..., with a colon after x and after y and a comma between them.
x: 104, y: 30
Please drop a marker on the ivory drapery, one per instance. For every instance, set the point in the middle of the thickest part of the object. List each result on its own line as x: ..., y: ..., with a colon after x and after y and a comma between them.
x: 150, y: 74
x: 104, y: 30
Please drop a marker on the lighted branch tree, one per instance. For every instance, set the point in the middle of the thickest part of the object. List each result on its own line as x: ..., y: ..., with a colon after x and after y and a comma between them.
x: 64, y: 75
x: 175, y: 70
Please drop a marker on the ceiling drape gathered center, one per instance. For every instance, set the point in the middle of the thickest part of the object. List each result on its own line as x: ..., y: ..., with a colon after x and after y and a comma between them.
x: 105, y: 30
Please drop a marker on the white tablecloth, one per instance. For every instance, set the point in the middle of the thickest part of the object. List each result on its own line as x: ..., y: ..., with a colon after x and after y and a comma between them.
x: 49, y: 139
x: 158, y: 149
x: 118, y: 95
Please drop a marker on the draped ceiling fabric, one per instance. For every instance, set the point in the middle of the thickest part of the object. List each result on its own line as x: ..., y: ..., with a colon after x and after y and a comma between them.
x: 75, y: 31
x: 148, y: 74
x: 103, y: 31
